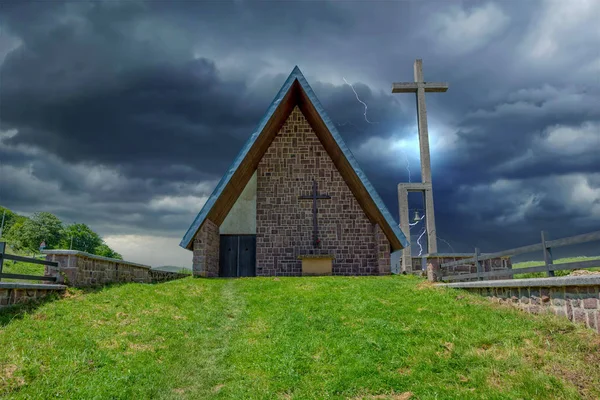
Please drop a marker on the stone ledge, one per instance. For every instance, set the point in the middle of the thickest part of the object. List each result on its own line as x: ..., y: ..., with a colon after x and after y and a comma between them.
x: 534, y: 282
x: 17, y: 285
x: 316, y: 256
x: 88, y: 255
x: 453, y: 255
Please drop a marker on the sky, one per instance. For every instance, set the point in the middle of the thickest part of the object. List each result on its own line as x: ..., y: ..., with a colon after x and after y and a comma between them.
x: 125, y: 114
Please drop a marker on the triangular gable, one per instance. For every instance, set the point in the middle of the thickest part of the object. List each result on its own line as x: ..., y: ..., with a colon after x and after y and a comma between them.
x: 295, y: 91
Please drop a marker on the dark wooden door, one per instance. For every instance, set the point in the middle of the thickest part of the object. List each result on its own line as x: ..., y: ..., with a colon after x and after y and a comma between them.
x: 247, y: 256
x: 237, y: 255
x: 228, y: 256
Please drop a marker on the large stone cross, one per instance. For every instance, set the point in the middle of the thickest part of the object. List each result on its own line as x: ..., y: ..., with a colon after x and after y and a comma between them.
x: 314, y: 197
x: 419, y: 86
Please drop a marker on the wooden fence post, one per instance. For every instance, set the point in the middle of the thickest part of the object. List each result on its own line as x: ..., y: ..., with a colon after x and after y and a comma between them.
x: 547, y: 255
x: 2, y: 248
x: 478, y: 264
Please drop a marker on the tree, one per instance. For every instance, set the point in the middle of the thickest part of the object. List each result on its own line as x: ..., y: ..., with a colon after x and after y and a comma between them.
x: 13, y: 235
x: 10, y: 218
x: 105, y: 251
x: 82, y: 238
x: 6, y: 219
x: 27, y: 233
x: 41, y: 227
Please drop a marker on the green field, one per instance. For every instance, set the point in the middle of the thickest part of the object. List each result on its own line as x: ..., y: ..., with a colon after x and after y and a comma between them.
x: 291, y: 338
x: 528, y: 264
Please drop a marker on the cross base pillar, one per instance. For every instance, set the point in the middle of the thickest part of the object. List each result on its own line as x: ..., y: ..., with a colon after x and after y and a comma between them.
x: 427, y: 191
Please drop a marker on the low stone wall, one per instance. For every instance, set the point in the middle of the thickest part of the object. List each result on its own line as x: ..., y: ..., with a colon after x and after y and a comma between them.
x: 79, y: 269
x: 435, y: 272
x: 18, y: 293
x: 574, y: 297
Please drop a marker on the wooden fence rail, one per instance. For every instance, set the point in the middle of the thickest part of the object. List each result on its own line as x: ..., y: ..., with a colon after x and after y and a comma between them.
x: 4, y: 256
x: 546, y: 246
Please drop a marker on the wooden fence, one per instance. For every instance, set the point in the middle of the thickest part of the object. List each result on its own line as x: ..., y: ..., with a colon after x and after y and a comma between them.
x: 545, y: 246
x: 4, y: 256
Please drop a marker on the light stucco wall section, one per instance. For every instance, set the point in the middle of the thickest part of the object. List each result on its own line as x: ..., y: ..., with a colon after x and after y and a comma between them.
x: 241, y: 220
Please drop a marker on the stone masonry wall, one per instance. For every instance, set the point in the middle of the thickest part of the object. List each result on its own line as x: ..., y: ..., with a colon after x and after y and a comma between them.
x: 18, y: 293
x: 81, y: 269
x: 284, y: 225
x: 206, y: 250
x: 575, y: 298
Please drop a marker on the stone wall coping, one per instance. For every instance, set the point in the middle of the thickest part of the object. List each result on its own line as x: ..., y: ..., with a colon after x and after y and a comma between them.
x: 453, y: 255
x: 18, y: 285
x: 585, y: 280
x: 88, y: 255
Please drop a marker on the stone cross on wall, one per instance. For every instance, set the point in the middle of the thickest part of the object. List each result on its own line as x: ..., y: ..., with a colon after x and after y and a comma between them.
x: 419, y: 86
x: 314, y: 197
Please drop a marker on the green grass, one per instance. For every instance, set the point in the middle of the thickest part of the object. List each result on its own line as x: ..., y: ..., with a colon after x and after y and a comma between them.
x: 291, y: 338
x: 528, y: 264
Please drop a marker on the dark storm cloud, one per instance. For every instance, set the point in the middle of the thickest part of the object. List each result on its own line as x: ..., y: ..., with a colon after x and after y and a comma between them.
x: 167, y: 114
x: 94, y: 87
x: 135, y: 109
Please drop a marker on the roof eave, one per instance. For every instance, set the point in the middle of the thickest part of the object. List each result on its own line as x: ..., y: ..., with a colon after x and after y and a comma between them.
x: 187, y: 240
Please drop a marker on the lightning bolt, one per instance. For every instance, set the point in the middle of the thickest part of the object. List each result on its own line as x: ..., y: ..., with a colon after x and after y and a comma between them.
x: 449, y: 245
x: 370, y: 122
x: 351, y: 124
x: 445, y: 241
x: 360, y: 101
x: 423, y: 232
x: 407, y: 164
x: 419, y: 240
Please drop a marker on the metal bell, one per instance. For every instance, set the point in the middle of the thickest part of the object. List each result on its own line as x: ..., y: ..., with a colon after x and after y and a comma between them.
x: 417, y: 216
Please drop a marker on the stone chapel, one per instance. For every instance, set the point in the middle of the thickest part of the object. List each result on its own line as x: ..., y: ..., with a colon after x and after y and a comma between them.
x: 294, y: 202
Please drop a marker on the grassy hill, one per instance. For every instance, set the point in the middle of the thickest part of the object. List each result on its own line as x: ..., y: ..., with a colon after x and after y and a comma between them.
x: 291, y: 338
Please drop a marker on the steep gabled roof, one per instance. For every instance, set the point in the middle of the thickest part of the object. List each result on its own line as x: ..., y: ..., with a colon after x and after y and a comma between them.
x: 295, y: 91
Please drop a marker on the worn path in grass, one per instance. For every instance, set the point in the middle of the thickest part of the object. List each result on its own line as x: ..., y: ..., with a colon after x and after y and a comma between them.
x: 291, y: 338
